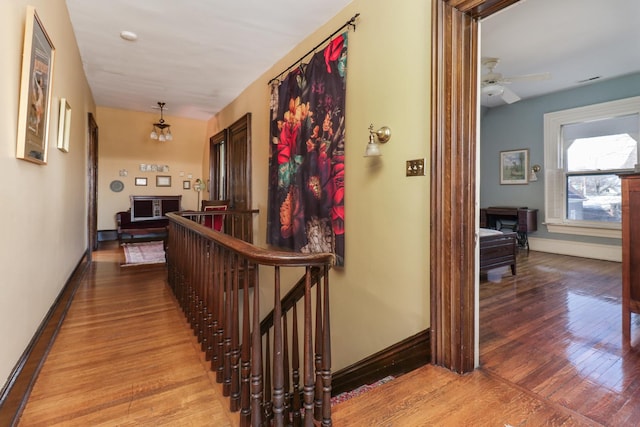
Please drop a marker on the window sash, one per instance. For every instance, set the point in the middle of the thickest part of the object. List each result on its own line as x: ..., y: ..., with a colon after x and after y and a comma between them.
x: 554, y: 161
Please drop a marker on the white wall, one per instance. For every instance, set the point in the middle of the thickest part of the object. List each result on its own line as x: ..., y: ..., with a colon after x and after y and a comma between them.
x: 381, y: 296
x: 43, y: 213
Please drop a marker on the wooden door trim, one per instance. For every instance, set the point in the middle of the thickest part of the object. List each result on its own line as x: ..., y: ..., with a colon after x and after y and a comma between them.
x: 220, y: 137
x: 453, y: 178
x: 92, y: 211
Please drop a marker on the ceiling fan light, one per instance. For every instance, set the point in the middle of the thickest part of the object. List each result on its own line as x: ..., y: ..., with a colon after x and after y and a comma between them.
x: 492, y: 90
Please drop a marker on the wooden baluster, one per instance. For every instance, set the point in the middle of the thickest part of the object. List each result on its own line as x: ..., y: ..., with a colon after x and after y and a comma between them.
x: 228, y: 319
x: 216, y: 357
x: 326, y: 354
x: 267, y: 404
x: 221, y: 316
x: 206, y: 280
x: 197, y: 279
x: 245, y: 364
x: 202, y: 264
x: 308, y: 353
x: 317, y: 410
x: 189, y: 280
x: 295, y: 370
x: 205, y: 269
x: 256, y: 358
x: 285, y: 364
x: 278, y: 375
x: 235, y: 340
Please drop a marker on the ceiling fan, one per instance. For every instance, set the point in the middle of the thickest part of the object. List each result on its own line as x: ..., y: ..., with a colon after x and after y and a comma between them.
x: 494, y: 84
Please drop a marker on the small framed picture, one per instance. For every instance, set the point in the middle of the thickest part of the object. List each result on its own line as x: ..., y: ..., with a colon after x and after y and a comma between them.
x: 514, y: 167
x: 163, y: 181
x: 186, y: 185
x: 64, y: 125
x: 141, y: 181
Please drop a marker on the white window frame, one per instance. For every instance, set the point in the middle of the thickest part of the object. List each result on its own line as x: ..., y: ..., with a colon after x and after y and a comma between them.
x: 555, y: 176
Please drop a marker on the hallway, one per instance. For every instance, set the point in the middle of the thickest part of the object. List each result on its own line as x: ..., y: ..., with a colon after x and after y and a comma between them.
x: 550, y: 349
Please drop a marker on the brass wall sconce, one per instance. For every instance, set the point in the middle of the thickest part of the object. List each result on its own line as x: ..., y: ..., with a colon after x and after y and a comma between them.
x: 380, y: 136
x: 534, y: 171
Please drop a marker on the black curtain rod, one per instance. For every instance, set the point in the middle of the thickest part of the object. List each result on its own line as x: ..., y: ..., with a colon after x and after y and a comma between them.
x: 350, y: 22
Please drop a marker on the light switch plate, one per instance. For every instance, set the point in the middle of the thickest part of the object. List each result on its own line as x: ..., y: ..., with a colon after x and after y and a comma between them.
x: 415, y: 167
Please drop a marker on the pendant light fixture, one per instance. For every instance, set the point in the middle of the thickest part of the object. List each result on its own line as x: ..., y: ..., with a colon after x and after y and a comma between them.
x: 161, y: 130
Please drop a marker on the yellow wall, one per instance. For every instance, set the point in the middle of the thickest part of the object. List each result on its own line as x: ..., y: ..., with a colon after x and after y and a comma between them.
x: 125, y: 144
x: 381, y: 296
x: 44, y: 208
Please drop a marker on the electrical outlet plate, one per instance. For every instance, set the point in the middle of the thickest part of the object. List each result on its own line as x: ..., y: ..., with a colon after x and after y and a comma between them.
x: 415, y: 167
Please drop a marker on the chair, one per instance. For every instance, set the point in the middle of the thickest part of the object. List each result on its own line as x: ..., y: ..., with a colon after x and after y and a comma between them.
x: 215, y: 222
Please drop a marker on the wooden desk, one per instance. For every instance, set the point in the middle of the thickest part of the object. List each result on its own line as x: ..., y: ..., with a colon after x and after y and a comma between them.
x: 522, y: 220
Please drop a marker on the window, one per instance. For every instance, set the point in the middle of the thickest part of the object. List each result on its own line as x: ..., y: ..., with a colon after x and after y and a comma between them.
x: 585, y: 150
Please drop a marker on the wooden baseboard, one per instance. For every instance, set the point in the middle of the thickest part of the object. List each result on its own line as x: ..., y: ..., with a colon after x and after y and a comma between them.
x: 107, y: 235
x: 396, y: 360
x: 16, y: 391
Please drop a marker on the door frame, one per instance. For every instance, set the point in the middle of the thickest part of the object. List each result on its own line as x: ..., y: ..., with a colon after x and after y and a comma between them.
x: 92, y: 187
x: 454, y: 135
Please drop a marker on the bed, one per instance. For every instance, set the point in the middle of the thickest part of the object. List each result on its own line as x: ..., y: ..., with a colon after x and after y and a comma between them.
x: 497, y: 249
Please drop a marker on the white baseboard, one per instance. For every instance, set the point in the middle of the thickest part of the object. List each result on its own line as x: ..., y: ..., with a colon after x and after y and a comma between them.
x: 580, y: 249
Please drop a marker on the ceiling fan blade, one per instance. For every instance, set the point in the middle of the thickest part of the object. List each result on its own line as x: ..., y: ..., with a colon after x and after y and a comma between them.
x: 527, y: 77
x: 509, y: 96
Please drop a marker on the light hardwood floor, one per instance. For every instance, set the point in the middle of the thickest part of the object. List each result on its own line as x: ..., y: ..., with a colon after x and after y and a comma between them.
x: 551, y: 354
x: 125, y: 356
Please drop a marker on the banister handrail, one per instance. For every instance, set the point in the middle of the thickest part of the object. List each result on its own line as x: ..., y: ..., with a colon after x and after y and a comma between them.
x: 255, y: 253
x: 210, y: 274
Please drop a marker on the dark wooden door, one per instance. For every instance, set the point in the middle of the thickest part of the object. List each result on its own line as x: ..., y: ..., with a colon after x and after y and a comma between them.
x: 92, y: 220
x: 239, y: 163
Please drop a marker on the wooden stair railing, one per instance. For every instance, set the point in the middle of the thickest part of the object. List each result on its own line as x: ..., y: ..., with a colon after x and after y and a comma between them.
x: 215, y: 278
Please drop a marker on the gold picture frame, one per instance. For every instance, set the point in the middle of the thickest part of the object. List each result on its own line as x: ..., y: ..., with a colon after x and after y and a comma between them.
x: 514, y: 166
x: 64, y: 124
x: 35, y: 91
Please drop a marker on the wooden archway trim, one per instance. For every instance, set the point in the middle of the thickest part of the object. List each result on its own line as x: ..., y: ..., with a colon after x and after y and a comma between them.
x: 480, y: 8
x: 453, y: 178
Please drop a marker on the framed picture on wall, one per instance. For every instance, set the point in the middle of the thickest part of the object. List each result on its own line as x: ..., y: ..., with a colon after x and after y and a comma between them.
x: 186, y: 185
x: 163, y: 181
x: 514, y: 167
x: 64, y: 125
x: 141, y: 181
x: 35, y: 91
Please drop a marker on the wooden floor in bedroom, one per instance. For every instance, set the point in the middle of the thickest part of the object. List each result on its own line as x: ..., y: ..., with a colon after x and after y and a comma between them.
x: 551, y: 353
x: 550, y: 339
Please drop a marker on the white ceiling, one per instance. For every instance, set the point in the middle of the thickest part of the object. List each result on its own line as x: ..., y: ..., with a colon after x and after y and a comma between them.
x: 580, y: 40
x: 197, y: 55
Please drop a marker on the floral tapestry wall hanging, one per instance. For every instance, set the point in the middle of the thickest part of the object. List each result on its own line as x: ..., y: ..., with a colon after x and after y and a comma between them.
x: 306, y: 156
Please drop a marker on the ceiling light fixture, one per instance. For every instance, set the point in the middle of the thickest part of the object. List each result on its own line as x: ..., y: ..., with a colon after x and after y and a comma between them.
x: 492, y: 89
x: 161, y: 130
x: 129, y: 36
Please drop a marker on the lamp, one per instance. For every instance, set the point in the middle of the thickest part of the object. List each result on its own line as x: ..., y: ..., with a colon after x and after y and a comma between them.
x: 534, y: 170
x: 161, y: 130
x: 380, y: 136
x: 199, y: 186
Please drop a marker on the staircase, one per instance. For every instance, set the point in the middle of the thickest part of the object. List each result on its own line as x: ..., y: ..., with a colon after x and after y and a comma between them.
x: 276, y: 371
